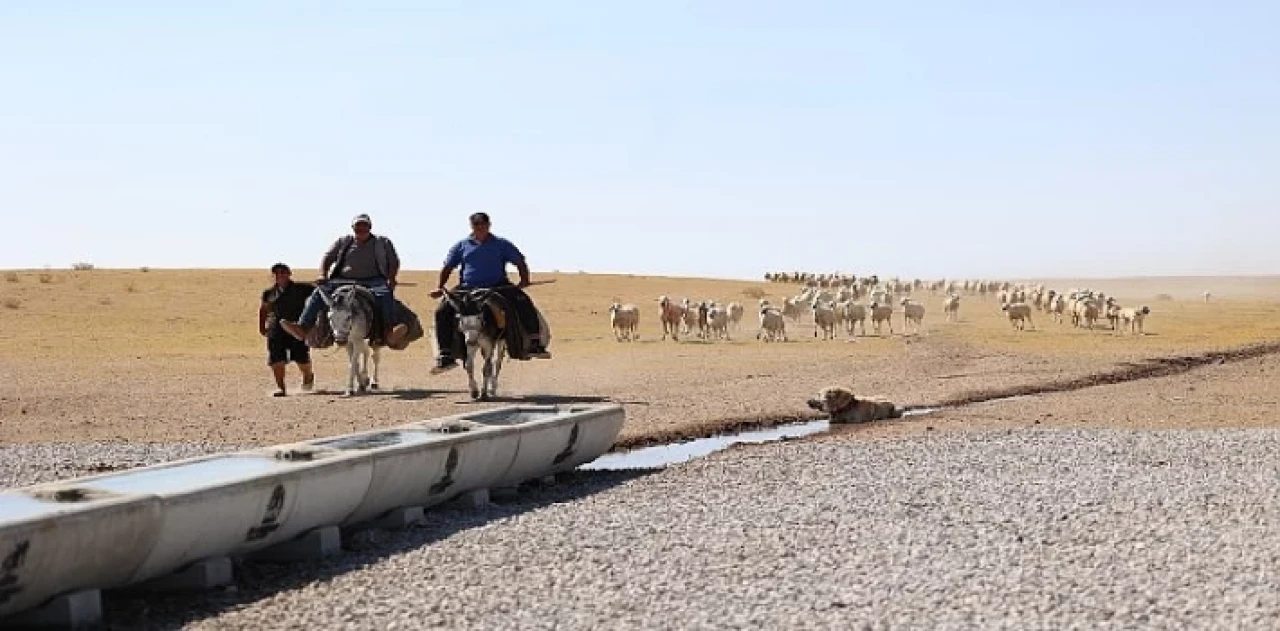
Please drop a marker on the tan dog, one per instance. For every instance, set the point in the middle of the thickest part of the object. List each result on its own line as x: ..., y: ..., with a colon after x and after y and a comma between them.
x: 846, y: 408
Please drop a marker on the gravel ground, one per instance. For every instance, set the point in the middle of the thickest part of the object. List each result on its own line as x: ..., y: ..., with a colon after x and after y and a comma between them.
x: 1027, y: 528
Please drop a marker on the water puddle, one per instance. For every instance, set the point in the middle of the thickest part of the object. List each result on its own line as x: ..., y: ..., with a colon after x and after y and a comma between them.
x: 659, y: 456
x: 186, y: 477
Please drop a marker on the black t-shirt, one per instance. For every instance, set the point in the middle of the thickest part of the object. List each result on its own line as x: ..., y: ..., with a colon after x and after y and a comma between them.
x: 287, y: 302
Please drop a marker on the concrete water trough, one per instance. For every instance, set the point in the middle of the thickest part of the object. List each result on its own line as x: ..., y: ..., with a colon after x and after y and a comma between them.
x: 57, y: 538
x: 141, y: 525
x: 551, y: 439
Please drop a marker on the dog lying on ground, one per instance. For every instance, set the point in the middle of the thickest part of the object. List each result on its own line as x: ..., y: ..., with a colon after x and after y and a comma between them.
x: 846, y: 408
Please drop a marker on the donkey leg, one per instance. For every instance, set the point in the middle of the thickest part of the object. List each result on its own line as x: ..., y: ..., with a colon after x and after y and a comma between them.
x: 487, y: 375
x: 352, y: 369
x: 364, y: 368
x: 499, y: 352
x: 377, y: 361
x: 470, y: 364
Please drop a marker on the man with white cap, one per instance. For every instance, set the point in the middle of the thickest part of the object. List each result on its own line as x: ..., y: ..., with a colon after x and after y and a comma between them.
x: 367, y: 259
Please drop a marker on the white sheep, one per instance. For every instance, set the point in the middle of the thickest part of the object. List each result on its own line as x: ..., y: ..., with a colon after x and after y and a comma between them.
x: 1086, y: 313
x: 1133, y: 318
x: 690, y: 316
x: 717, y: 322
x: 824, y: 320
x: 1207, y: 296
x: 951, y: 307
x: 1019, y: 314
x: 855, y: 314
x: 736, y: 311
x: 880, y: 314
x: 625, y: 319
x: 1058, y: 307
x: 912, y: 314
x: 773, y: 326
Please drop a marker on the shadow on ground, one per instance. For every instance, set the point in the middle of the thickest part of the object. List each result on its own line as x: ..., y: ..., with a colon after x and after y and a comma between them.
x: 257, y: 581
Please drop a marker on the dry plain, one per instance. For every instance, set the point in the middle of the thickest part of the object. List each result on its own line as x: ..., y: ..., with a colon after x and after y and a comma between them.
x: 174, y: 355
x: 1130, y: 486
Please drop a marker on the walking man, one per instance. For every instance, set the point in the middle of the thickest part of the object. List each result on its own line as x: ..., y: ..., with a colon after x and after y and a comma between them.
x: 366, y: 259
x: 483, y: 257
x: 284, y: 299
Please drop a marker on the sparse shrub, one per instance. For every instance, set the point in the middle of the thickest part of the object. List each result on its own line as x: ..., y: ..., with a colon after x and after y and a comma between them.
x: 144, y: 269
x: 12, y: 303
x: 82, y: 267
x: 82, y: 285
x: 105, y: 301
x: 46, y: 278
x: 1164, y: 297
x: 12, y: 277
x: 131, y: 288
x: 754, y: 292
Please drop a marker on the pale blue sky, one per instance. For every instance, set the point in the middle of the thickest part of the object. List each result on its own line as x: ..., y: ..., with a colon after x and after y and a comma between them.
x: 945, y: 138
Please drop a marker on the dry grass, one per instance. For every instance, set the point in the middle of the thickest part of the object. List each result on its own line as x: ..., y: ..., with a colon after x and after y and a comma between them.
x: 182, y: 359
x: 12, y: 303
x: 218, y: 309
x: 46, y: 278
x: 12, y: 277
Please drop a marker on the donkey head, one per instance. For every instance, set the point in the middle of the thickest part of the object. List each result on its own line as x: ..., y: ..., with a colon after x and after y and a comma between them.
x: 344, y: 312
x: 470, y: 308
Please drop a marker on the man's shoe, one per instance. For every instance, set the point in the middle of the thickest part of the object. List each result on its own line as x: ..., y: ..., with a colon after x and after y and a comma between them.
x: 309, y: 384
x: 396, y: 335
x: 444, y: 364
x: 294, y: 329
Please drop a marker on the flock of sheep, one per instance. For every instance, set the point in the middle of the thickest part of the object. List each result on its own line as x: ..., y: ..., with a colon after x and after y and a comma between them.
x: 835, y: 302
x: 1084, y: 307
x: 707, y: 319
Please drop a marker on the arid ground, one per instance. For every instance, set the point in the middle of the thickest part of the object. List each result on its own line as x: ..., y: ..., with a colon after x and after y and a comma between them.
x: 165, y: 355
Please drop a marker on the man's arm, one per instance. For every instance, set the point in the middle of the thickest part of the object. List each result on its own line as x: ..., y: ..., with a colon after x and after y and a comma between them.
x: 393, y: 263
x: 516, y: 257
x: 451, y: 260
x: 330, y: 257
x: 523, y: 268
x: 263, y: 311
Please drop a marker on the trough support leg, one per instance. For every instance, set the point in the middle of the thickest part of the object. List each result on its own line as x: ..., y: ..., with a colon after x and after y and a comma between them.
x: 199, y: 576
x: 478, y: 498
x: 76, y: 610
x: 311, y: 545
x: 400, y: 518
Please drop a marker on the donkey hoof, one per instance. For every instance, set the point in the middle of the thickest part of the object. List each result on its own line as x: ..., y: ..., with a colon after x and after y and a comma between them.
x: 475, y: 395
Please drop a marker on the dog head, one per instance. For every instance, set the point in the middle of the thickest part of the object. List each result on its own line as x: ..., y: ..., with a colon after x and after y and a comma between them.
x: 833, y: 400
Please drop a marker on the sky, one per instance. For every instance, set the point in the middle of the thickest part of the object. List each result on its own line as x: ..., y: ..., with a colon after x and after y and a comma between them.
x: 997, y: 139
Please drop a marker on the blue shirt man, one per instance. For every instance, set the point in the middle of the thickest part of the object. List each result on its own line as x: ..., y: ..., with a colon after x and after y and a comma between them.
x: 483, y: 257
x: 484, y: 263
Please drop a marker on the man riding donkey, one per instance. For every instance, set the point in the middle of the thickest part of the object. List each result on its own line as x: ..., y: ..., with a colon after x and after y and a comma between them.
x: 364, y: 259
x: 484, y: 257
